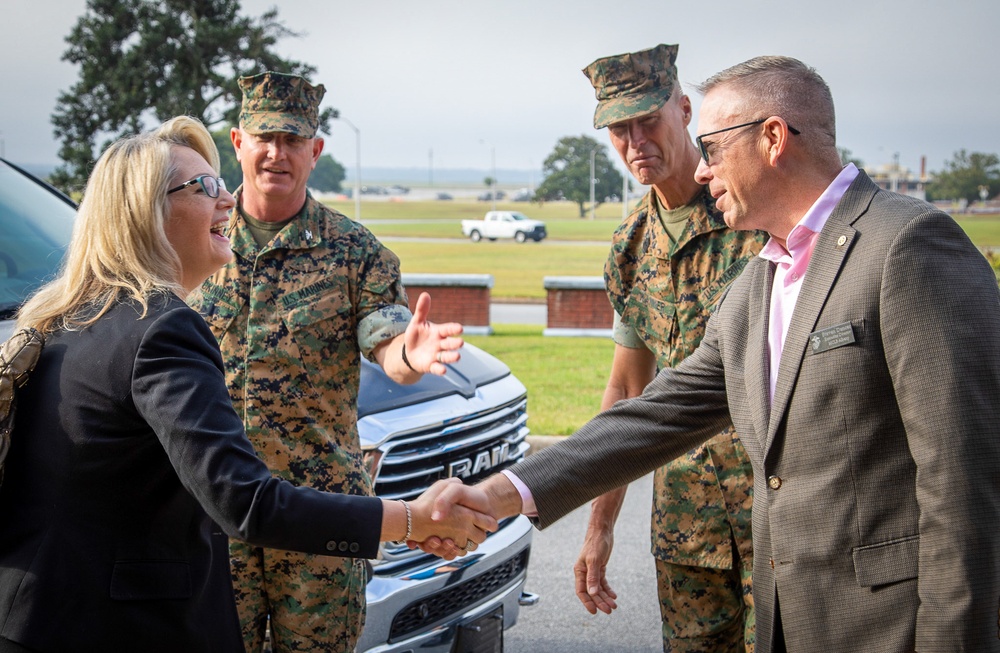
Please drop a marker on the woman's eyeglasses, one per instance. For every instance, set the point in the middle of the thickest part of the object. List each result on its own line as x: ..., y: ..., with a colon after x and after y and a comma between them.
x: 211, y: 185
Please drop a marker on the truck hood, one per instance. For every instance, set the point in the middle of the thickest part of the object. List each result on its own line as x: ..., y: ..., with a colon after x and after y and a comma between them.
x: 379, y: 393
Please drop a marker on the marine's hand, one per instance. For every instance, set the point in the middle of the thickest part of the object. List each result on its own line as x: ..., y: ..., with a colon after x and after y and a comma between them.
x: 430, y: 346
x: 461, y: 529
x: 592, y: 586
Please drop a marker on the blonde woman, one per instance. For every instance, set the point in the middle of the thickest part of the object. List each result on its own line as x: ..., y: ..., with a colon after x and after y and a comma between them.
x: 128, y: 466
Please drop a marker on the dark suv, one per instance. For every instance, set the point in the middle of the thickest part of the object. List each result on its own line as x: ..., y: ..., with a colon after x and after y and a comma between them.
x: 468, y: 423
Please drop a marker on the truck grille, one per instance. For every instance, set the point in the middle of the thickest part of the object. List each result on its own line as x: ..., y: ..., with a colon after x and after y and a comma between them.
x: 456, y: 598
x: 471, y: 448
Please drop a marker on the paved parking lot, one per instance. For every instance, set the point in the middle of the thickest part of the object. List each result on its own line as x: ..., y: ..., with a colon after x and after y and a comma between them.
x: 559, y: 623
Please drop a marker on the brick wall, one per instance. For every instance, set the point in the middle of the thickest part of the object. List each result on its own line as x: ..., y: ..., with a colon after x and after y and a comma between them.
x: 463, y: 298
x: 577, y: 304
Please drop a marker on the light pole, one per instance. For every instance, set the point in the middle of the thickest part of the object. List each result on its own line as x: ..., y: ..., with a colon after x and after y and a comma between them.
x: 593, y: 180
x: 493, y: 179
x: 357, y: 164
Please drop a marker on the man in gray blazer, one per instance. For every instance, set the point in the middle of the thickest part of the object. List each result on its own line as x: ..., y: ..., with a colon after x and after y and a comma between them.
x: 859, y: 359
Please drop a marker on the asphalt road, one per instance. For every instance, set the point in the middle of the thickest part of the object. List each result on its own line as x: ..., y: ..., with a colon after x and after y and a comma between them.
x: 559, y: 623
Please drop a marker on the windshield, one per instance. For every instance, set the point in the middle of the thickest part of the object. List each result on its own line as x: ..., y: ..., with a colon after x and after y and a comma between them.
x: 35, y: 224
x: 518, y: 216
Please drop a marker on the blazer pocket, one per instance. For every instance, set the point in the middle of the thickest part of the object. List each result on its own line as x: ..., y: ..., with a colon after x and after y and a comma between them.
x: 887, y: 562
x: 138, y: 580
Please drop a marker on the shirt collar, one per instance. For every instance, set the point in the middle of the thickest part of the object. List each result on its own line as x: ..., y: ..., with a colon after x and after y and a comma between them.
x: 803, y: 234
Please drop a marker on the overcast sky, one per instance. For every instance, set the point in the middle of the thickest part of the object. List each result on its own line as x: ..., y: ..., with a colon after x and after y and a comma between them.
x: 439, y: 83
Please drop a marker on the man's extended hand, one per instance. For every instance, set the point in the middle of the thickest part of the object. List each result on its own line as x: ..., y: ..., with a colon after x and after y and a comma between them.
x: 461, y: 529
x: 430, y: 346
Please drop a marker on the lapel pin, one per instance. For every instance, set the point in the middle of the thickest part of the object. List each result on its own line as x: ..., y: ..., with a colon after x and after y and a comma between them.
x: 841, y: 241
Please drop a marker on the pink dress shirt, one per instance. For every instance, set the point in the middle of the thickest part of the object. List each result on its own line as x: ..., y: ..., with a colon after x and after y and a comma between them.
x: 791, y: 261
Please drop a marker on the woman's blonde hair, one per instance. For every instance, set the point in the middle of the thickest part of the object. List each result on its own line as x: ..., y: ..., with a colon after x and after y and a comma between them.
x: 119, y: 247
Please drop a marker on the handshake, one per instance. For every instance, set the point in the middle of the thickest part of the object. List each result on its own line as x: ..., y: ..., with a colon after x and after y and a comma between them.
x: 451, y: 519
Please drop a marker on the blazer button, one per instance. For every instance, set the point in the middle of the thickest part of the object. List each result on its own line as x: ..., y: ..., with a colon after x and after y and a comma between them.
x: 331, y: 546
x: 354, y: 547
x: 343, y: 547
x: 774, y: 482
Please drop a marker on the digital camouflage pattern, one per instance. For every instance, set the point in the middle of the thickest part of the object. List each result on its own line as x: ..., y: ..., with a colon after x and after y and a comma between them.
x: 277, y: 102
x: 293, y: 319
x: 687, y: 626
x: 666, y: 291
x: 632, y: 84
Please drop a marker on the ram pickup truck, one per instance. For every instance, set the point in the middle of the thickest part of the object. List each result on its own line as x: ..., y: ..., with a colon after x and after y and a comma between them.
x: 469, y: 423
x: 504, y: 224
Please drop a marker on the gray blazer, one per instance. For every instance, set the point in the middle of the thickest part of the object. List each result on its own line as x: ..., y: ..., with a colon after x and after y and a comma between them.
x: 876, y: 517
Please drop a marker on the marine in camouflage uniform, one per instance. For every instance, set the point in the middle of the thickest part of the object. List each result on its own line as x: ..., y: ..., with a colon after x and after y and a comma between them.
x: 293, y: 316
x: 663, y: 278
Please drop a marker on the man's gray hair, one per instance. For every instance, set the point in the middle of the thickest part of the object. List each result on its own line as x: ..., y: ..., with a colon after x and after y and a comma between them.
x: 785, y: 87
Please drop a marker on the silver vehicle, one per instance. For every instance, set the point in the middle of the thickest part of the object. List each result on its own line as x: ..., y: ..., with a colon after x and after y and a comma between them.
x: 468, y: 423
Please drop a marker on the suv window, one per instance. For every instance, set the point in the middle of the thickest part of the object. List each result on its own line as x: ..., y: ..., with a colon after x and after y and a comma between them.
x: 36, y: 224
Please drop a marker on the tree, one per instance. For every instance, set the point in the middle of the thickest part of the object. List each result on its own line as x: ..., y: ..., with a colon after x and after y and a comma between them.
x: 567, y: 172
x: 145, y: 61
x: 327, y: 175
x: 229, y: 167
x: 846, y: 156
x: 963, y: 176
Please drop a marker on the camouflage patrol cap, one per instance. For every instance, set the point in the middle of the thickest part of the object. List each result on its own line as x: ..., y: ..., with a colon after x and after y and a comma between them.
x: 278, y: 102
x: 632, y: 84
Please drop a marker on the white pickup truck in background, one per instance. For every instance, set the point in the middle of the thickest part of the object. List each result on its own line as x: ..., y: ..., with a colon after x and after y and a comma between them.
x: 504, y: 224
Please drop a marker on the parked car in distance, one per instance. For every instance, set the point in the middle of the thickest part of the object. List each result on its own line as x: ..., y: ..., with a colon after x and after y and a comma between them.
x: 488, y: 196
x: 522, y: 195
x: 469, y: 423
x: 504, y: 224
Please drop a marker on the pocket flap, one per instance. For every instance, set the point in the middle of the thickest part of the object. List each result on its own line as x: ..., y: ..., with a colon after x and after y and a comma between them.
x: 887, y: 562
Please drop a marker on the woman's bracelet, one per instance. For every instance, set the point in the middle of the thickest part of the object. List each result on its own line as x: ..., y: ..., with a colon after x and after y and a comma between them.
x: 409, y: 518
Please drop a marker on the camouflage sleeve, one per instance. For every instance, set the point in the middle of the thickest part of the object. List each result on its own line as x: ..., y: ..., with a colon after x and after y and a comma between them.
x: 384, y: 324
x: 382, y: 306
x: 625, y: 335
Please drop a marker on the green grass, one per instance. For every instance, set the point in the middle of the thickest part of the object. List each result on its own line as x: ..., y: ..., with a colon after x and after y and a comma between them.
x: 432, y: 219
x: 518, y: 269
x: 983, y: 230
x: 565, y: 377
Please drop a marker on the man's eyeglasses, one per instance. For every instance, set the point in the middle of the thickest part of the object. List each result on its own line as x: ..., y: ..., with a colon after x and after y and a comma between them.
x: 211, y: 185
x: 703, y: 146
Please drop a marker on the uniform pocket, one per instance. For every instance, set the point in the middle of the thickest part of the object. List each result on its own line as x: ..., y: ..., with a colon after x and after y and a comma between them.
x: 652, y: 318
x: 217, y: 305
x: 318, y: 309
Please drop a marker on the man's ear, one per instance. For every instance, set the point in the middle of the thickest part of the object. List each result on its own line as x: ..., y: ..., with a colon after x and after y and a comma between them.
x: 317, y: 149
x: 236, y: 136
x: 777, y: 135
x: 686, y: 112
